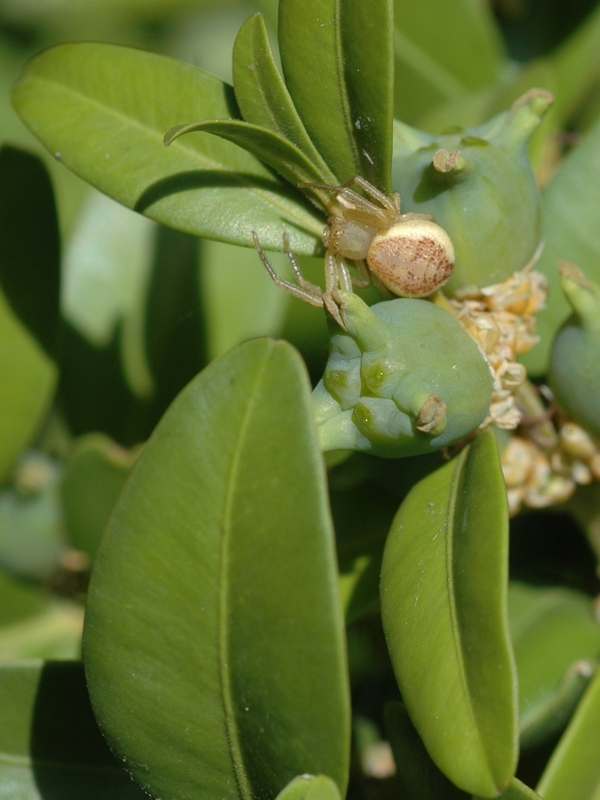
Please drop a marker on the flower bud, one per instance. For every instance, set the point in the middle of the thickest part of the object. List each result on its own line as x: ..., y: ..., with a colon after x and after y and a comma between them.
x: 479, y: 186
x: 404, y: 378
x: 574, y: 374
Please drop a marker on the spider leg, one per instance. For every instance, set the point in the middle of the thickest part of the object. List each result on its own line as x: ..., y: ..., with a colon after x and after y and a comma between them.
x: 364, y: 275
x: 390, y: 203
x: 306, y: 291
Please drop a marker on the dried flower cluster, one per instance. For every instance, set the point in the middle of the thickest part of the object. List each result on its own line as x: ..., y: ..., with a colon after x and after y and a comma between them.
x: 500, y: 319
x: 544, y: 473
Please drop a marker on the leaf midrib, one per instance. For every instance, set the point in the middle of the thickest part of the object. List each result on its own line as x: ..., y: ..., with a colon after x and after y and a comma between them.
x: 454, y: 616
x: 232, y: 732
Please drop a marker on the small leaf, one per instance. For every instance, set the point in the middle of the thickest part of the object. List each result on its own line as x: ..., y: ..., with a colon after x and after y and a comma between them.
x: 443, y: 603
x: 576, y: 67
x: 573, y: 771
x: 29, y: 245
x: 214, y: 642
x: 50, y: 745
x: 271, y: 148
x: 431, y: 40
x: 116, y: 104
x: 310, y: 787
x: 517, y: 791
x: 346, y: 107
x: 551, y: 678
x: 35, y: 625
x: 569, y: 232
x: 262, y: 95
x: 93, y: 479
x: 29, y: 270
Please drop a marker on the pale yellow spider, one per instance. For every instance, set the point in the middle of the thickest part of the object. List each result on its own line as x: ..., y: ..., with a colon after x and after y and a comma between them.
x: 408, y: 255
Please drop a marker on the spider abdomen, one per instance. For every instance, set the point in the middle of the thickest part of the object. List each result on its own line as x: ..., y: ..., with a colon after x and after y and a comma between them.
x: 413, y: 258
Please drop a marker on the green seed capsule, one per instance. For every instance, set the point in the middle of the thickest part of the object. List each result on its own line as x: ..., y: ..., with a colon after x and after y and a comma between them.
x: 479, y: 186
x: 405, y: 378
x: 574, y: 374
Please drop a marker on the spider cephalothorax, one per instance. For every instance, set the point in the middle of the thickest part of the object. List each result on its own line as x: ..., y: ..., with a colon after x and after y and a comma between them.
x: 408, y: 255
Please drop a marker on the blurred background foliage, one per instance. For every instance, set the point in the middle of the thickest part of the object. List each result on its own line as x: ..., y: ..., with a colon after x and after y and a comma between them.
x: 140, y: 309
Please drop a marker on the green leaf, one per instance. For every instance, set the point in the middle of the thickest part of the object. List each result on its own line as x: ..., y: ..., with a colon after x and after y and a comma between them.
x: 574, y: 769
x: 576, y: 67
x: 116, y: 104
x: 27, y: 385
x: 347, y: 107
x: 35, y: 625
x: 93, y: 479
x: 443, y: 603
x: 271, y: 148
x: 431, y: 40
x: 240, y: 299
x: 107, y: 269
x: 517, y: 791
x: 262, y: 95
x: 310, y: 787
x: 50, y: 745
x: 570, y: 232
x: 29, y: 245
x: 214, y: 638
x: 551, y: 678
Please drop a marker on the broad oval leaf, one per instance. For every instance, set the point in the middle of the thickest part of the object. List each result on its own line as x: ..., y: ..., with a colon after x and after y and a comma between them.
x: 50, y: 745
x: 346, y: 106
x: 116, y: 104
x: 573, y: 771
x: 262, y: 95
x: 443, y: 584
x: 214, y: 636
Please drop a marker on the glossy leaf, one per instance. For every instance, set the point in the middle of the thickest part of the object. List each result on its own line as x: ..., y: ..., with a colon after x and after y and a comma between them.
x: 570, y: 233
x: 551, y: 677
x: 214, y: 638
x: 116, y: 104
x: 50, y: 745
x: 310, y: 787
x: 574, y: 768
x: 346, y: 106
x: 271, y: 148
x: 431, y: 40
x: 443, y: 603
x: 262, y: 95
x: 29, y: 245
x: 93, y: 479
